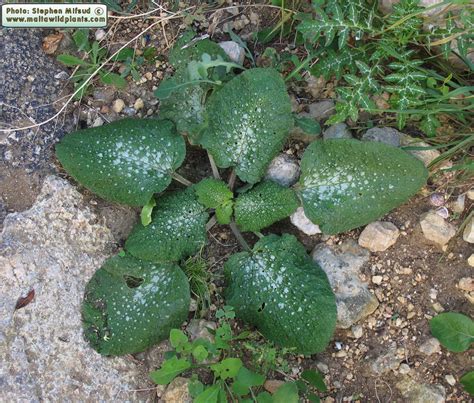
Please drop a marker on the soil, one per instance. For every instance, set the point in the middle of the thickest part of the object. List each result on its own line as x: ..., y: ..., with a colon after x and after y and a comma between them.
x: 411, y: 269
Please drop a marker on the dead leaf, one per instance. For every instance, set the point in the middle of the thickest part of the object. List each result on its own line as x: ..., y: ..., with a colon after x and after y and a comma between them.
x: 24, y: 301
x: 51, y: 43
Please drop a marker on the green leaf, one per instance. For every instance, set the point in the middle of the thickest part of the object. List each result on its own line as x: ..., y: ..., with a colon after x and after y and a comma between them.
x: 345, y: 184
x: 264, y: 397
x: 124, y: 54
x: 210, y: 395
x: 308, y: 125
x: 147, y: 209
x: 265, y: 204
x: 227, y: 368
x: 246, y: 379
x: 200, y: 353
x: 177, y: 229
x: 280, y: 290
x: 169, y: 370
x: 454, y: 331
x: 429, y: 125
x: 248, y: 121
x: 70, y: 60
x: 467, y: 380
x: 188, y: 47
x: 224, y: 212
x: 195, y: 388
x: 177, y: 338
x: 213, y: 192
x: 81, y: 39
x: 113, y: 79
x: 126, y: 161
x: 130, y: 305
x: 286, y: 393
x: 314, y: 378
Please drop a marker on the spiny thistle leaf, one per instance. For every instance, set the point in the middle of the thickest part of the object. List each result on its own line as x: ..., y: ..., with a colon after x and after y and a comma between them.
x: 265, y: 204
x: 248, y: 121
x: 130, y: 305
x: 177, y: 229
x: 341, y: 193
x: 280, y: 290
x: 126, y: 161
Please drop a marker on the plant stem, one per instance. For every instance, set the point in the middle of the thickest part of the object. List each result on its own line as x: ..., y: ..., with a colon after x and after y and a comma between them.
x: 215, y: 171
x: 232, y: 180
x: 259, y: 234
x: 211, y: 223
x: 177, y: 177
x: 239, y: 236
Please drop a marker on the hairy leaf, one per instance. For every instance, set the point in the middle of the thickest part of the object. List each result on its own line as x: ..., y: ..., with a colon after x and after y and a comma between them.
x: 248, y: 122
x: 265, y: 204
x: 169, y: 370
x: 130, y: 305
x: 125, y: 161
x: 345, y: 184
x: 280, y: 290
x: 177, y: 229
x: 454, y: 331
x: 212, y: 192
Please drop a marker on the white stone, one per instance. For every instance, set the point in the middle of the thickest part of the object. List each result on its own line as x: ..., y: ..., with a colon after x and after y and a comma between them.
x: 54, y: 248
x: 284, y: 170
x: 303, y: 223
x: 377, y: 280
x: 99, y: 34
x: 470, y: 260
x: 342, y: 264
x: 450, y: 379
x: 235, y: 52
x: 357, y: 331
x: 379, y: 236
x: 139, y: 104
x: 470, y: 194
x: 430, y: 346
x: 466, y: 284
x: 436, y: 229
x: 468, y: 233
x: 118, y: 105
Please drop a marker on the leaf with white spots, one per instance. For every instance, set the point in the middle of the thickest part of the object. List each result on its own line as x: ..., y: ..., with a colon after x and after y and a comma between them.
x: 131, y: 305
x: 213, y: 192
x: 265, y: 204
x: 279, y: 289
x: 126, y: 161
x: 248, y: 121
x: 177, y: 229
x: 346, y: 183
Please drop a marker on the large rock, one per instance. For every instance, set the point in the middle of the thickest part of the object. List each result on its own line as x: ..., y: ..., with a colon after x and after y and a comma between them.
x: 388, y: 361
x: 386, y: 135
x: 417, y: 392
x: 53, y: 249
x: 379, y: 236
x: 337, y: 131
x: 436, y: 229
x: 235, y: 52
x: 322, y: 109
x: 284, y: 170
x: 426, y: 154
x: 177, y: 391
x: 342, y: 265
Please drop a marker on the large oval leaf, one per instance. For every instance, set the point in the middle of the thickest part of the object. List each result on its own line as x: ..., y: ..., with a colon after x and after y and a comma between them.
x: 265, y: 204
x: 177, y: 229
x: 125, y: 161
x: 454, y: 331
x: 248, y: 122
x: 130, y: 305
x: 280, y: 290
x: 345, y: 184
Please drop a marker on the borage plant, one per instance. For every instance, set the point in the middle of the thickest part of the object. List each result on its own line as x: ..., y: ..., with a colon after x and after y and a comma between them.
x: 242, y: 119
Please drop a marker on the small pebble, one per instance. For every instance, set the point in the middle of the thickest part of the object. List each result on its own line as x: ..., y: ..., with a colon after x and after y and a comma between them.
x: 450, y: 379
x: 139, y: 104
x: 118, y: 105
x: 377, y: 280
